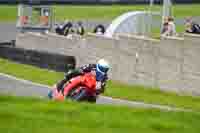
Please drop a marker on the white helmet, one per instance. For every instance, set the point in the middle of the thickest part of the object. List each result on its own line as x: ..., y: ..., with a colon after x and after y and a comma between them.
x: 102, y: 66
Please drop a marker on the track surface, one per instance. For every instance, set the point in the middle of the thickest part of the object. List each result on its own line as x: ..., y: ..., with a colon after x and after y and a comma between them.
x: 14, y: 86
x: 8, y: 31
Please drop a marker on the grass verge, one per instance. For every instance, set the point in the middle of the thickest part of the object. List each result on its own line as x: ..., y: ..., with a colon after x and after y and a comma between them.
x: 151, y: 95
x: 114, y: 89
x: 17, y: 116
x: 99, y: 12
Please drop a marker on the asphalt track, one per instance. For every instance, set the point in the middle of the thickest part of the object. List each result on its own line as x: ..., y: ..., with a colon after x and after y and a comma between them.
x: 19, y: 87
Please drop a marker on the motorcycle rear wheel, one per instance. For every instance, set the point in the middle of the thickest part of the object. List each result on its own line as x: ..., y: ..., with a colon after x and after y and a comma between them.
x: 92, y: 99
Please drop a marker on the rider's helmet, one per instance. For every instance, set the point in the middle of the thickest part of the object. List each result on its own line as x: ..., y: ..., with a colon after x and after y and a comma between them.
x: 102, y: 68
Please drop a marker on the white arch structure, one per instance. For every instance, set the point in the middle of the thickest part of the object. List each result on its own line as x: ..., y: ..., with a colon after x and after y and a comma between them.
x: 135, y: 22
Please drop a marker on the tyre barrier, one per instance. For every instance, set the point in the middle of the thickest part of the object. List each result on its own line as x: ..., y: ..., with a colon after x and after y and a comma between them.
x: 40, y: 59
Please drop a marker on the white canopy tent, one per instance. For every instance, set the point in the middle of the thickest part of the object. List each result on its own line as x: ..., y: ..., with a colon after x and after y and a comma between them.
x: 135, y: 22
x: 138, y: 22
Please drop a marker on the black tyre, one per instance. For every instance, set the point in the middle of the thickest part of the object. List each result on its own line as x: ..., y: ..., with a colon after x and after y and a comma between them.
x: 92, y: 99
x: 81, y: 95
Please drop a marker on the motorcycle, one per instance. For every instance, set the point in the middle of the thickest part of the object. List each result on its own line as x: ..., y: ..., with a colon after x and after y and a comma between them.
x: 80, y: 88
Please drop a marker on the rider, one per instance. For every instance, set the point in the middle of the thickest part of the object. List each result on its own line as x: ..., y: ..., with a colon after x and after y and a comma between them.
x: 100, y: 69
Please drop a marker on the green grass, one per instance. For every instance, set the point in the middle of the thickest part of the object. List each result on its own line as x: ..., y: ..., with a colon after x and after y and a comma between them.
x: 113, y: 89
x: 8, y: 13
x: 100, y: 12
x: 104, y: 13
x: 94, y: 12
x: 29, y: 72
x: 151, y: 95
x: 111, y: 12
x: 28, y: 115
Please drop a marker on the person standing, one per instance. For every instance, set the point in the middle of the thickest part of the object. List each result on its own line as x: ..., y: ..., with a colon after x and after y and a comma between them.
x: 191, y: 26
x: 165, y: 25
x: 170, y: 28
x: 80, y: 29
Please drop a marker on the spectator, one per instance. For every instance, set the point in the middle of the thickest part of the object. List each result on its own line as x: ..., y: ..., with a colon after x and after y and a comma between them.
x: 99, y: 29
x: 170, y: 28
x: 80, y: 29
x: 165, y: 25
x: 66, y: 28
x: 191, y: 27
x: 72, y: 33
x: 165, y: 28
x: 63, y: 29
x: 71, y: 30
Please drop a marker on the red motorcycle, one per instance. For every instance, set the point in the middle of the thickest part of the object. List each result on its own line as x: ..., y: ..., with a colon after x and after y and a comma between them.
x: 80, y: 88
